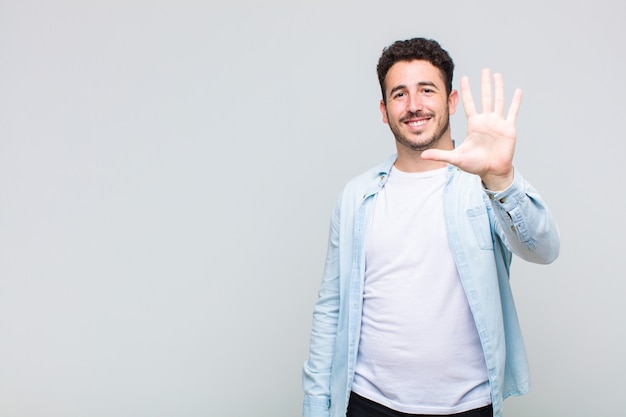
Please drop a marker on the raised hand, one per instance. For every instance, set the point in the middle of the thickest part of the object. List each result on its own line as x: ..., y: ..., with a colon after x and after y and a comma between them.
x: 490, y: 142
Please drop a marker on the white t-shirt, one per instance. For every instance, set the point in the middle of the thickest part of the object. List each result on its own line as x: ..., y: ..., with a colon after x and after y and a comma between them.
x: 419, y: 350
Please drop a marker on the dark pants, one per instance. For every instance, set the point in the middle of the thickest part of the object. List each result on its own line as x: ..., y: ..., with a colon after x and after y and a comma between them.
x: 362, y: 407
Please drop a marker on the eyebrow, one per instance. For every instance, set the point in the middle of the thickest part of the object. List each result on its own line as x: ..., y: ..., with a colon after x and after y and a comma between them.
x: 421, y: 83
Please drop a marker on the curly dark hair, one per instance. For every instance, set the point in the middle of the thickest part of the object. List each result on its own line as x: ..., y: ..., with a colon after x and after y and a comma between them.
x: 411, y: 49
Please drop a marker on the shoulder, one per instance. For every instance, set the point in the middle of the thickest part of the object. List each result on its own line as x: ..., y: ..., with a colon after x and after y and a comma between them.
x: 363, y: 183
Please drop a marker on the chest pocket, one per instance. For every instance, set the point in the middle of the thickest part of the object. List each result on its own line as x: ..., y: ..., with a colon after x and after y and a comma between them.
x: 479, y: 219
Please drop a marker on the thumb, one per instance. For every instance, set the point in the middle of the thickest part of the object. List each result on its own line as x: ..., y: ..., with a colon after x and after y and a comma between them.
x: 438, y: 155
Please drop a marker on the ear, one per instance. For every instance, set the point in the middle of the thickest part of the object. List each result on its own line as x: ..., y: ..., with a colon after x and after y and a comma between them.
x: 453, y: 100
x: 383, y: 110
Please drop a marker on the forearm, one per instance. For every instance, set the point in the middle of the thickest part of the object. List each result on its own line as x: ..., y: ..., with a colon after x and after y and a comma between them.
x: 317, y: 369
x: 524, y: 222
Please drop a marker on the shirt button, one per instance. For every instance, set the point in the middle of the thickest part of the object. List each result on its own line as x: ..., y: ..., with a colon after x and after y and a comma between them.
x: 502, y: 200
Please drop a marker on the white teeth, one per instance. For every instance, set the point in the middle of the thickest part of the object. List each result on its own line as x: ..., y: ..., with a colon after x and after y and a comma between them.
x: 418, y: 123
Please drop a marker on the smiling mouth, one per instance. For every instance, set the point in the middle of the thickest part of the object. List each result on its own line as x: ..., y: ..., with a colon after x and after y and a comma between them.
x: 417, y: 123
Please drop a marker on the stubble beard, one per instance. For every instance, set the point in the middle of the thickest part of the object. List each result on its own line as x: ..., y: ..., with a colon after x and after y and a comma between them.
x: 424, y: 142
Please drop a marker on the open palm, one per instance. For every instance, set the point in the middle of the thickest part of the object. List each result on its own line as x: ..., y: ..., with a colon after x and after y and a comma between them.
x: 489, y: 146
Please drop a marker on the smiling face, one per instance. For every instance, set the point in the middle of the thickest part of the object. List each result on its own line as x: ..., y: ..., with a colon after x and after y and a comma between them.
x: 417, y: 107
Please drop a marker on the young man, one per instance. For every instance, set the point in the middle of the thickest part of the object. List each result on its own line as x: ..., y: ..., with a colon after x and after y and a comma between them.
x: 415, y: 314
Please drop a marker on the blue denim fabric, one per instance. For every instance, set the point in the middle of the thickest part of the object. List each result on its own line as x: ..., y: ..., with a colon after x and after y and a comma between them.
x: 484, y: 229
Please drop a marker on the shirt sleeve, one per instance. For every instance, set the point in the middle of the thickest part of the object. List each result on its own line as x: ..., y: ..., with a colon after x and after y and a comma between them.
x: 317, y: 368
x: 524, y: 222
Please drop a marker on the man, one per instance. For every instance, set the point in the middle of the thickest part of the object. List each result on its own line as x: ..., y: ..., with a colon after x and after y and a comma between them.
x: 415, y: 314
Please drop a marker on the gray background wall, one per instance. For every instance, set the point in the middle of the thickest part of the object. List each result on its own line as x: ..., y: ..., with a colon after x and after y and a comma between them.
x: 168, y: 168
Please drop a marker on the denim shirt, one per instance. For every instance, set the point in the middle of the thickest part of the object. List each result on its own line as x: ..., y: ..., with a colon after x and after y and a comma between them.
x: 484, y: 228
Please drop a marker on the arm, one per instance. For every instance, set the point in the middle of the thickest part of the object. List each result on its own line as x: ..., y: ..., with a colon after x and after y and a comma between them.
x: 317, y: 368
x: 521, y: 218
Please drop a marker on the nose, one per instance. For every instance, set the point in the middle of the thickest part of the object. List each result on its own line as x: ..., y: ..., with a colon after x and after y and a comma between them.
x: 415, y: 103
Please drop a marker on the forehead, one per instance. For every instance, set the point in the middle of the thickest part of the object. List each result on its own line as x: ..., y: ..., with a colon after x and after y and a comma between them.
x: 410, y: 73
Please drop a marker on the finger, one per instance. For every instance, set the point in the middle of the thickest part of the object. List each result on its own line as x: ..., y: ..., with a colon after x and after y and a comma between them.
x: 515, y: 105
x: 498, y: 83
x: 466, y: 97
x: 440, y: 155
x: 485, y: 90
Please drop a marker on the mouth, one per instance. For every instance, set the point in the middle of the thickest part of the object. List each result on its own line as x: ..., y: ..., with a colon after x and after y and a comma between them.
x: 416, y: 123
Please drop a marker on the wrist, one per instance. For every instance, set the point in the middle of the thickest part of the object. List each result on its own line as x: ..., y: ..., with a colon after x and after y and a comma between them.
x: 498, y: 182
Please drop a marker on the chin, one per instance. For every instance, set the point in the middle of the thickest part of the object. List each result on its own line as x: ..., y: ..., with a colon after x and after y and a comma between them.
x: 422, y: 145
